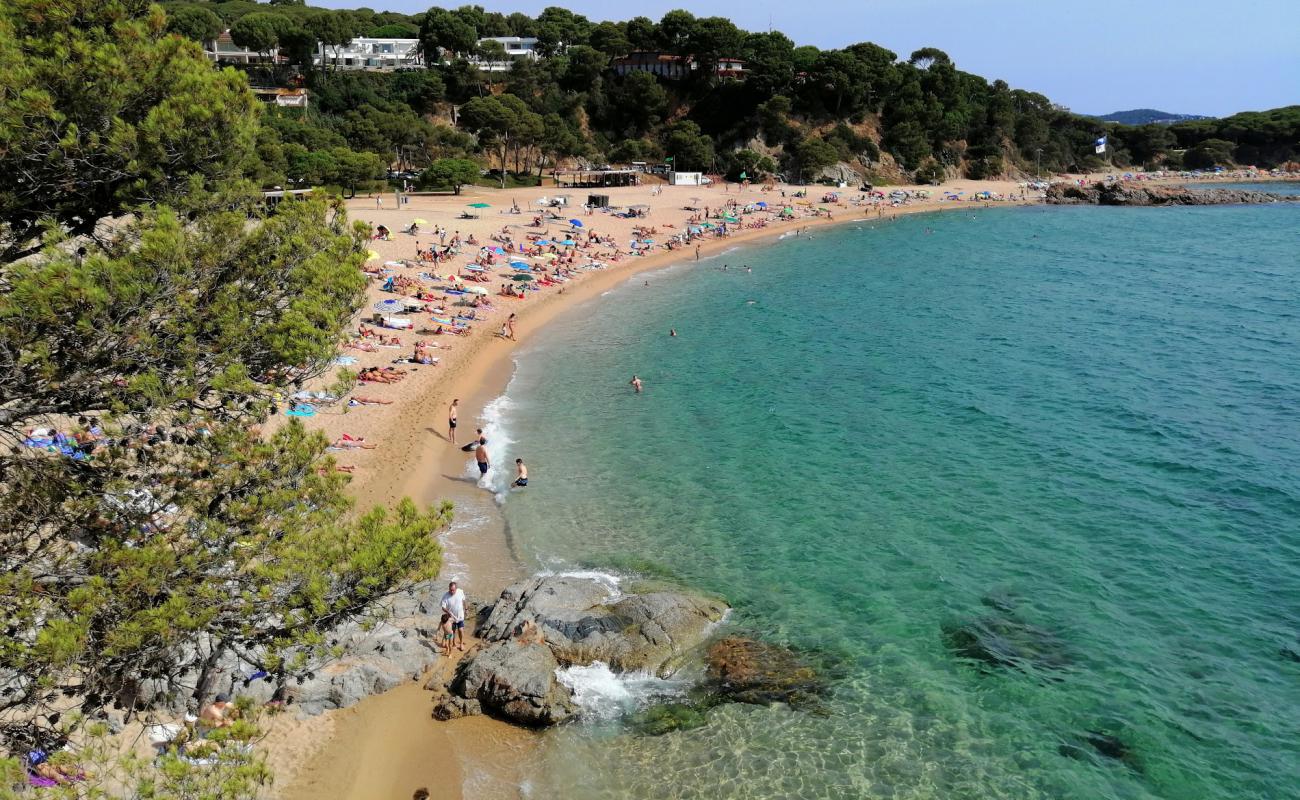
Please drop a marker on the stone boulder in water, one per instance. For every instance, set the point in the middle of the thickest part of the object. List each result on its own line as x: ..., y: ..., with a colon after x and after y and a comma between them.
x: 584, y: 619
x: 516, y: 680
x: 749, y: 671
x: 541, y: 624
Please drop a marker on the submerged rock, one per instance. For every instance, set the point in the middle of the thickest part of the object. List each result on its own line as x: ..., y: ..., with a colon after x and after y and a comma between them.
x: 658, y: 720
x: 1091, y: 743
x: 749, y: 671
x: 1006, y: 641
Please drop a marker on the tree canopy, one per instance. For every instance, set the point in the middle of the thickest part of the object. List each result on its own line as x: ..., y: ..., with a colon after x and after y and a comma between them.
x: 153, y: 517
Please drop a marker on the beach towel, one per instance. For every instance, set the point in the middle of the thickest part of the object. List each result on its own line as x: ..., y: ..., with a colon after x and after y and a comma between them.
x: 301, y: 410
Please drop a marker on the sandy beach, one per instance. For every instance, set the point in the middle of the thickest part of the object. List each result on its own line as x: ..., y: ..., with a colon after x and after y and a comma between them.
x: 387, y: 745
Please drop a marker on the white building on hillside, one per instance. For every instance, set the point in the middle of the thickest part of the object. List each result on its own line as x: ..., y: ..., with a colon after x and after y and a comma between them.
x: 371, y: 54
x: 517, y: 48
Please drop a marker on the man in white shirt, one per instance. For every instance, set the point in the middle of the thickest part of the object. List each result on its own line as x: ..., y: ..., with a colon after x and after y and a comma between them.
x: 453, y: 602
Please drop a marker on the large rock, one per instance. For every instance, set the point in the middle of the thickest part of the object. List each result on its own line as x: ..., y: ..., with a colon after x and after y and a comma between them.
x: 584, y: 620
x: 516, y: 680
x: 1125, y: 194
x: 749, y: 671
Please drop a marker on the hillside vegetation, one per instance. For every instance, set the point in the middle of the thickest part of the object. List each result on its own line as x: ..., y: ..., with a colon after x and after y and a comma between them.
x: 797, y: 111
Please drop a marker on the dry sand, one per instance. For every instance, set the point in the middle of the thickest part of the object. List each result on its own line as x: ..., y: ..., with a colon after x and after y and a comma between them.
x: 388, y: 745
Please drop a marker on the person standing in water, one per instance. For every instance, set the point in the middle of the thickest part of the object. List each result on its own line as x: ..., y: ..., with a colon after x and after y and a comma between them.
x: 481, y: 456
x: 451, y: 420
x: 672, y: 331
x: 510, y: 326
x: 521, y: 479
x: 635, y: 383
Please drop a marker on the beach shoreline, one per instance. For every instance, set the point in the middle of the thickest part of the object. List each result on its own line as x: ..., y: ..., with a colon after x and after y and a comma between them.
x: 429, y: 469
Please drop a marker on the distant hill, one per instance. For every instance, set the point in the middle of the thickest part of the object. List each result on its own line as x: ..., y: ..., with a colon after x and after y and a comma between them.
x: 1147, y: 116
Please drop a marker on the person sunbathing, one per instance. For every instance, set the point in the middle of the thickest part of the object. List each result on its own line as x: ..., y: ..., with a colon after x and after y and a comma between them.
x: 358, y: 400
x: 352, y: 444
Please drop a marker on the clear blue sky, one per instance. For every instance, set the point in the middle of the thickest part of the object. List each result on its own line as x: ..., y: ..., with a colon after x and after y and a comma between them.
x: 1095, y: 56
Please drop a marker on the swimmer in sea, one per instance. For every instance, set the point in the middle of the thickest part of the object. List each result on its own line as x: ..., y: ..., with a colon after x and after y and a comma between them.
x: 521, y: 480
x: 635, y: 383
x: 672, y: 331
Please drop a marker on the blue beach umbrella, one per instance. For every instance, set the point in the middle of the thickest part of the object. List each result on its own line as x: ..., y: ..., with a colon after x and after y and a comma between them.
x: 521, y: 265
x: 577, y: 223
x: 568, y: 242
x: 543, y: 242
x: 390, y: 306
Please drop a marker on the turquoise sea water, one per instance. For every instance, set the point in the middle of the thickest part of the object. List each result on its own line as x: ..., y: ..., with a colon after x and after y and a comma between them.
x: 1086, y: 420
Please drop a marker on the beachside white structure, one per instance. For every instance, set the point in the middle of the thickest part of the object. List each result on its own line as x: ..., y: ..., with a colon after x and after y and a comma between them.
x: 223, y: 48
x: 371, y: 54
x: 516, y: 48
x: 673, y: 67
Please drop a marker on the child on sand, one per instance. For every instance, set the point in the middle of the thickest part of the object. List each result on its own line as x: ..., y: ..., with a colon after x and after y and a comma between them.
x: 446, y: 634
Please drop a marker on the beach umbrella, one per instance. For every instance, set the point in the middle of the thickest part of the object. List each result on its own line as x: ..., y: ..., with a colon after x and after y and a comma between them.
x: 522, y: 278
x: 371, y: 255
x: 419, y: 221
x: 498, y: 251
x: 475, y: 290
x: 542, y: 242
x: 479, y: 205
x: 519, y: 265
x: 547, y: 256
x: 568, y: 242
x: 577, y: 223
x: 761, y: 204
x: 390, y: 306
x: 638, y: 208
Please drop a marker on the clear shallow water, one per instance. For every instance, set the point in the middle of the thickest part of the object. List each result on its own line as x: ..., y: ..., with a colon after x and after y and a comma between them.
x: 1092, y: 412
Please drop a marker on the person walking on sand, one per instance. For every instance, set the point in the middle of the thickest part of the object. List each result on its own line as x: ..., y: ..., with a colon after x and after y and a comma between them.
x: 521, y: 478
x: 510, y: 326
x: 451, y: 420
x: 481, y: 456
x: 453, y: 602
x: 379, y: 201
x: 635, y: 383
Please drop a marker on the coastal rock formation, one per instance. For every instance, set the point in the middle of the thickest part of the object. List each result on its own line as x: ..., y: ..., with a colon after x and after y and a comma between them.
x: 1121, y: 194
x: 517, y: 680
x: 749, y: 671
x: 375, y: 658
x: 584, y: 620
x: 542, y: 624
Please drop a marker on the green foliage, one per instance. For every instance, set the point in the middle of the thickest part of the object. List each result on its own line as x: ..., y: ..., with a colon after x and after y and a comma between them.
x: 449, y: 173
x: 183, y: 532
x: 445, y: 30
x: 195, y: 22
x: 112, y: 113
x: 260, y: 31
x: 814, y: 154
x: 930, y: 172
x: 1209, y: 153
x: 689, y: 148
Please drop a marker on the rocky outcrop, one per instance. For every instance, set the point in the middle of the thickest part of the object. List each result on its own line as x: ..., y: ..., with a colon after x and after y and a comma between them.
x: 748, y: 671
x: 516, y: 680
x: 1122, y: 194
x: 542, y: 624
x: 375, y: 658
x: 584, y: 620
